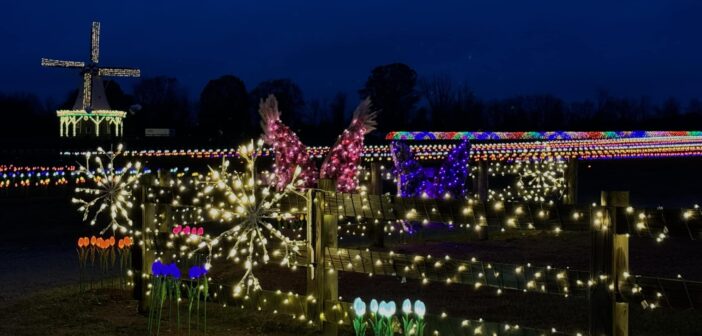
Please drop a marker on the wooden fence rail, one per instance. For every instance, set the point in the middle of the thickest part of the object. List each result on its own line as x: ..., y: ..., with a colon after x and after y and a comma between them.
x: 323, y: 258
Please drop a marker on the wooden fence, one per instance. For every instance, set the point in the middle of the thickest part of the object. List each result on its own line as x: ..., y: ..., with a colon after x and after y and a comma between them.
x: 608, y: 284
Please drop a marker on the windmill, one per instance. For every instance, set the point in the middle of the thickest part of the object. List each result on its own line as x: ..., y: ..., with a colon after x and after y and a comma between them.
x: 91, y: 103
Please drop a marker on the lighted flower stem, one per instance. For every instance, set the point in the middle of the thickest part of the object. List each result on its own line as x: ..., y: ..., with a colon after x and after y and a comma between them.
x: 359, y: 325
x: 419, y: 311
x: 165, y: 284
x: 407, y: 322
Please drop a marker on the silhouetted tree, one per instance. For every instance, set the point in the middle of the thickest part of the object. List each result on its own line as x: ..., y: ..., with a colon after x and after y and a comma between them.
x: 316, y: 115
x: 439, y: 92
x: 468, y: 112
x: 392, y: 91
x: 116, y: 97
x: 164, y: 104
x: 545, y: 112
x: 337, y: 108
x: 694, y: 107
x: 224, y: 110
x: 581, y: 114
x: 291, y: 102
x: 25, y: 118
x: 669, y: 113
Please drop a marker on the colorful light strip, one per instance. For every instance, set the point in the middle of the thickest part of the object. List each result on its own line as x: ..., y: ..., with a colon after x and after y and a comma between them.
x: 535, y: 135
x: 538, y: 150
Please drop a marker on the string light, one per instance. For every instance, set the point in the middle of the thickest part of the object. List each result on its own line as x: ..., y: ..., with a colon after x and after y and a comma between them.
x: 416, y: 181
x: 343, y: 159
x: 535, y: 135
x: 243, y: 202
x: 112, y: 191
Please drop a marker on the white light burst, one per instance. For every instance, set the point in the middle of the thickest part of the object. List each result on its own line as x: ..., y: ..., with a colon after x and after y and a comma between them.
x: 538, y: 181
x: 249, y: 206
x: 111, y: 194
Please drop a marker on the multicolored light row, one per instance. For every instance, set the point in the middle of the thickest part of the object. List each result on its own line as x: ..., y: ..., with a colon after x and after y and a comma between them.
x: 12, y: 176
x: 535, y: 135
x: 598, y: 149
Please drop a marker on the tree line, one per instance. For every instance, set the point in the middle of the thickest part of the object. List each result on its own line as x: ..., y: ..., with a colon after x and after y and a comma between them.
x: 226, y: 111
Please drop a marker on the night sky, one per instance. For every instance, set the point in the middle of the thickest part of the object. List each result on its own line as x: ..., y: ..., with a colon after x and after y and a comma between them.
x: 502, y: 48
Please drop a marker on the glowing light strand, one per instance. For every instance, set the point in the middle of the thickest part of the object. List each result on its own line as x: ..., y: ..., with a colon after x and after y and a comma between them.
x: 112, y: 193
x: 249, y: 206
x: 344, y: 157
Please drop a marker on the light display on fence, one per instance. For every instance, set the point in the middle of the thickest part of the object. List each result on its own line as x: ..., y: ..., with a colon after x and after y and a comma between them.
x: 537, y: 181
x: 341, y: 164
x: 342, y: 160
x: 289, y: 151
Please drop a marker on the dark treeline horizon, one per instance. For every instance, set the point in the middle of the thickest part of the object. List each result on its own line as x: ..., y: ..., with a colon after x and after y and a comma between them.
x: 226, y: 111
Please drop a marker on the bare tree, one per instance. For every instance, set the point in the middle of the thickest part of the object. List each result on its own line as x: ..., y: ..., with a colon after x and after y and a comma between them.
x: 441, y: 97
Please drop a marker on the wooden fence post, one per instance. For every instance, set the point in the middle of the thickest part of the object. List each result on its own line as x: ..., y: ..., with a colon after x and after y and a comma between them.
x: 482, y: 189
x: 609, y: 267
x: 571, y: 179
x: 146, y: 246
x: 376, y: 231
x: 322, y: 284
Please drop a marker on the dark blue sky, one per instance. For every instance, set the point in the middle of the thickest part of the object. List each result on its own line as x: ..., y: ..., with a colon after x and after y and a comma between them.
x: 501, y: 48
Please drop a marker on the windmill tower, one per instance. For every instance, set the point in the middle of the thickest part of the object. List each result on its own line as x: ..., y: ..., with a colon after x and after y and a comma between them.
x: 91, y: 113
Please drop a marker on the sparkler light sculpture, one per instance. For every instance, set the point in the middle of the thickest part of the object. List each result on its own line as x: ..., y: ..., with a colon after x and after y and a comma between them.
x: 340, y: 164
x: 112, y: 193
x: 537, y: 181
x: 249, y: 207
x: 91, y: 103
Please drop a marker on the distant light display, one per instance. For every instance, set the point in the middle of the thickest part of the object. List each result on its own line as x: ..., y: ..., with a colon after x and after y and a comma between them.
x: 88, y: 109
x: 602, y: 149
x: 447, y: 181
x: 535, y: 135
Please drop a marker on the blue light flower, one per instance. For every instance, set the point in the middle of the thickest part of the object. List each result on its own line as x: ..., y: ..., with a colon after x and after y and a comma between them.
x: 359, y: 307
x: 419, y: 308
x: 374, y: 306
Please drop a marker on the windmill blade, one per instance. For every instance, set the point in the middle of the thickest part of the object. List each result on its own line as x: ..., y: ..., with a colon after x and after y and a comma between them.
x: 47, y: 62
x: 87, y: 91
x: 95, y: 43
x: 119, y: 72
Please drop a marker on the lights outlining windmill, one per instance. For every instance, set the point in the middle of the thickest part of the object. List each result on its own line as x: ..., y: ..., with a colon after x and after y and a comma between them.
x: 91, y: 103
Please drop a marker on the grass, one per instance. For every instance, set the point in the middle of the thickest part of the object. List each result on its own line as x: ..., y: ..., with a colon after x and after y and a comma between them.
x: 112, y: 312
